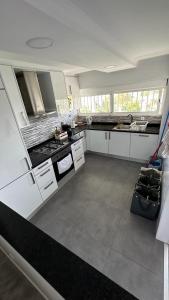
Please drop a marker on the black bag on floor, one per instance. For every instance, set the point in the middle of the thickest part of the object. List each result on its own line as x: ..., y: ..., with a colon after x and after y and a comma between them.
x: 144, y: 206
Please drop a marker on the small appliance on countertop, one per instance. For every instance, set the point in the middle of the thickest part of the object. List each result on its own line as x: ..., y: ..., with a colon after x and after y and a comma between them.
x: 67, y: 128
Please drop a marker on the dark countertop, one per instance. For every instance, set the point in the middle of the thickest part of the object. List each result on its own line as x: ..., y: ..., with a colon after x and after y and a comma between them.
x: 38, y: 158
x: 72, y: 277
x: 151, y: 128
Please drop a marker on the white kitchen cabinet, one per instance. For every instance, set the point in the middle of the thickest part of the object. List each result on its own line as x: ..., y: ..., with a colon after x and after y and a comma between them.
x: 73, y: 89
x: 42, y: 167
x: 72, y: 86
x: 97, y: 141
x: 46, y: 179
x: 59, y: 85
x: 143, y: 145
x: 78, y: 154
x: 22, y: 195
x: 119, y: 143
x: 12, y: 89
x: 14, y: 160
x: 83, y: 135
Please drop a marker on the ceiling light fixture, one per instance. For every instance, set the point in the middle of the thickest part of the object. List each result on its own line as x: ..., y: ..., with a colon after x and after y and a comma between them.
x: 40, y: 42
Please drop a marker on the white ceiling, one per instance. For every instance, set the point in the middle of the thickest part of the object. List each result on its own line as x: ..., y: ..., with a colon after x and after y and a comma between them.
x: 88, y: 34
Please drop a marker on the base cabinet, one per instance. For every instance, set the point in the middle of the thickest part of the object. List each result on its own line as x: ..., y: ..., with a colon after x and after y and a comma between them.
x: 97, y: 141
x: 78, y: 154
x: 130, y: 145
x: 46, y: 179
x: 143, y: 145
x: 119, y: 144
x: 22, y: 195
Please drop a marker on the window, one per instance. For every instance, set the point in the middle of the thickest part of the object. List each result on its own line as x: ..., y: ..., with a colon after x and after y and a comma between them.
x: 141, y: 101
x: 137, y: 101
x: 95, y: 104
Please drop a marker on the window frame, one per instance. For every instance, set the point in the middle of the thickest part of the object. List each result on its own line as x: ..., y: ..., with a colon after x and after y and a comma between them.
x: 113, y: 113
x: 97, y: 113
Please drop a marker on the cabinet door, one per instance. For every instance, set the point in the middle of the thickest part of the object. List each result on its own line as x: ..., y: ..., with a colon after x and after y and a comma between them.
x: 11, y: 86
x: 59, y: 85
x: 143, y: 145
x: 98, y: 141
x: 22, y: 195
x: 13, y: 155
x: 119, y: 143
x: 83, y: 135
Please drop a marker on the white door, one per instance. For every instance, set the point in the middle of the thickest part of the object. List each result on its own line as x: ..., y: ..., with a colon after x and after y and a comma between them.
x: 119, y: 143
x: 98, y: 141
x: 22, y: 195
x: 13, y: 155
x: 13, y: 91
x: 143, y: 145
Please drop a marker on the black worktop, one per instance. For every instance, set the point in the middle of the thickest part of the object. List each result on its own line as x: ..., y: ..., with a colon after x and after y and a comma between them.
x: 151, y: 128
x: 72, y: 277
x: 38, y: 158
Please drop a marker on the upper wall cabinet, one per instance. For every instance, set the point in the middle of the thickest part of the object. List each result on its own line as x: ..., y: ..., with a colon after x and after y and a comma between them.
x: 72, y: 86
x: 73, y: 89
x: 12, y: 89
x: 59, y: 85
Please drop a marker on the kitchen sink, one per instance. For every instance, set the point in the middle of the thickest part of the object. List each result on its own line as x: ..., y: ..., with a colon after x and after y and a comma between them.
x: 136, y: 126
x: 122, y: 127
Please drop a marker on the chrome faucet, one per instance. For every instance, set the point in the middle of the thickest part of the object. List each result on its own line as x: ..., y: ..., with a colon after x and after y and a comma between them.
x: 131, y: 118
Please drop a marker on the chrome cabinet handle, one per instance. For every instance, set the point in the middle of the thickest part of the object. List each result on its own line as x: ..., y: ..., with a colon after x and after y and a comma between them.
x: 105, y: 135
x: 46, y: 163
x: 45, y: 172
x: 109, y: 135
x: 79, y: 159
x: 33, y: 180
x: 144, y: 135
x: 46, y: 187
x: 27, y: 163
x: 77, y: 149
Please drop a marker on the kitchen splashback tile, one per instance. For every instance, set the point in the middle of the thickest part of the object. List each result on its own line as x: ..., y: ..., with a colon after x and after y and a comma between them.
x: 116, y: 119
x: 41, y: 129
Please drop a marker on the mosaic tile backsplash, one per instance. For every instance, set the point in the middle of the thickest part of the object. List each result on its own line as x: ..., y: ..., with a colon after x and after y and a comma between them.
x: 42, y: 129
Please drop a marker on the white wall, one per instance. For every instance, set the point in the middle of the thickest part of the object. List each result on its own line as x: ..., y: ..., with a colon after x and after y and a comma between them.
x: 148, y: 73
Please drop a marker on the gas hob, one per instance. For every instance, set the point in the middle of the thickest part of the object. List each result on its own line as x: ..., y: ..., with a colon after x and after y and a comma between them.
x: 50, y: 148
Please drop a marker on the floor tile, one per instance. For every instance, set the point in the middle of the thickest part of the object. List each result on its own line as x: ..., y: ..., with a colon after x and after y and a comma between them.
x: 134, y: 278
x: 91, y: 216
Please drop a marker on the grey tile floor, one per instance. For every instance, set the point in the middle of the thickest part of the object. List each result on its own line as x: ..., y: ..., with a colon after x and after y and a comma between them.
x: 91, y: 216
x: 13, y: 284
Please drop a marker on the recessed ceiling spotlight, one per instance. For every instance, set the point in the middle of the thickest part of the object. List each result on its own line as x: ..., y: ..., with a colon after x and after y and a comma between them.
x: 111, y: 67
x: 40, y: 43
